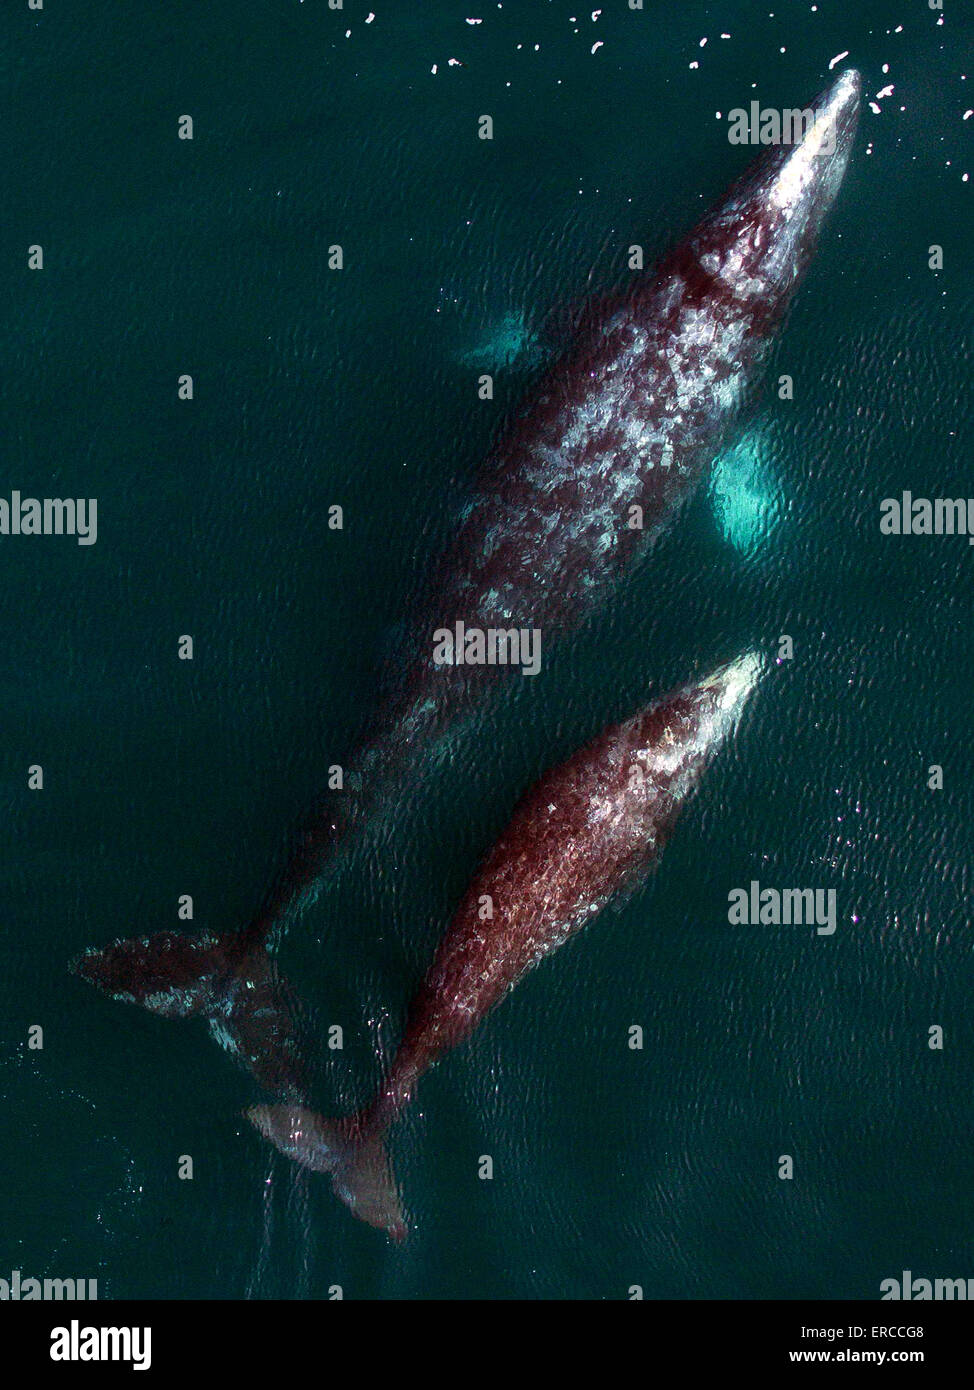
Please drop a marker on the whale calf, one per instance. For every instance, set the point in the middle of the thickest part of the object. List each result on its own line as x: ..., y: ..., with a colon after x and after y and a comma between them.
x: 589, y: 830
x: 631, y: 414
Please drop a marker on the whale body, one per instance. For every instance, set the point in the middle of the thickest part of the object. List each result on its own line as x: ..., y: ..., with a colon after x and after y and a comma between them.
x: 588, y: 831
x: 631, y: 414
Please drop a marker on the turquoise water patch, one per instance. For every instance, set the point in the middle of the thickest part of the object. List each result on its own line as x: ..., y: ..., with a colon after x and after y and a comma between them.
x: 509, y: 342
x: 745, y: 495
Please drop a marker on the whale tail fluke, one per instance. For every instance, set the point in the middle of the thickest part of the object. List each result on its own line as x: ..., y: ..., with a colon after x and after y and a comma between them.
x: 250, y: 1009
x: 360, y: 1170
x: 169, y: 974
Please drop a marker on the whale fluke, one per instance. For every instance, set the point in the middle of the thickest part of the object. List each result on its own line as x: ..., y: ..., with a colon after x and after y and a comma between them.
x: 170, y: 974
x: 249, y: 1007
x: 359, y: 1167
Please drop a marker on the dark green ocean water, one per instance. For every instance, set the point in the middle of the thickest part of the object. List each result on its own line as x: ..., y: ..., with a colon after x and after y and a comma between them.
x: 613, y: 1167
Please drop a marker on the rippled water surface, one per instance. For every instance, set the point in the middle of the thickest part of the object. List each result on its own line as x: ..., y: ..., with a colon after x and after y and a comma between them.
x: 613, y: 1167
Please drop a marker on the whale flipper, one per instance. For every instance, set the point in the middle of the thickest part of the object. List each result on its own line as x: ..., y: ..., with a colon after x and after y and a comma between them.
x: 361, y: 1172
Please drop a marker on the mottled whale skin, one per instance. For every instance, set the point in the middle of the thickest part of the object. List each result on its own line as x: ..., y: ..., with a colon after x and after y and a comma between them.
x: 633, y: 412
x: 588, y: 831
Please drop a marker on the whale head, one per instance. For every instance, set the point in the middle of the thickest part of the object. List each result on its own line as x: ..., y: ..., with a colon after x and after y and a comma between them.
x: 758, y: 241
x: 723, y: 694
x: 811, y: 170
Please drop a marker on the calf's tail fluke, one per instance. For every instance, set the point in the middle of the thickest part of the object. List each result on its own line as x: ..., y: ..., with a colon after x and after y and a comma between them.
x: 357, y: 1161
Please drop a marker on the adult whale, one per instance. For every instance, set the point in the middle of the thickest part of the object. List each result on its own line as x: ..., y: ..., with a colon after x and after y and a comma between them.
x: 631, y: 414
x: 587, y: 831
